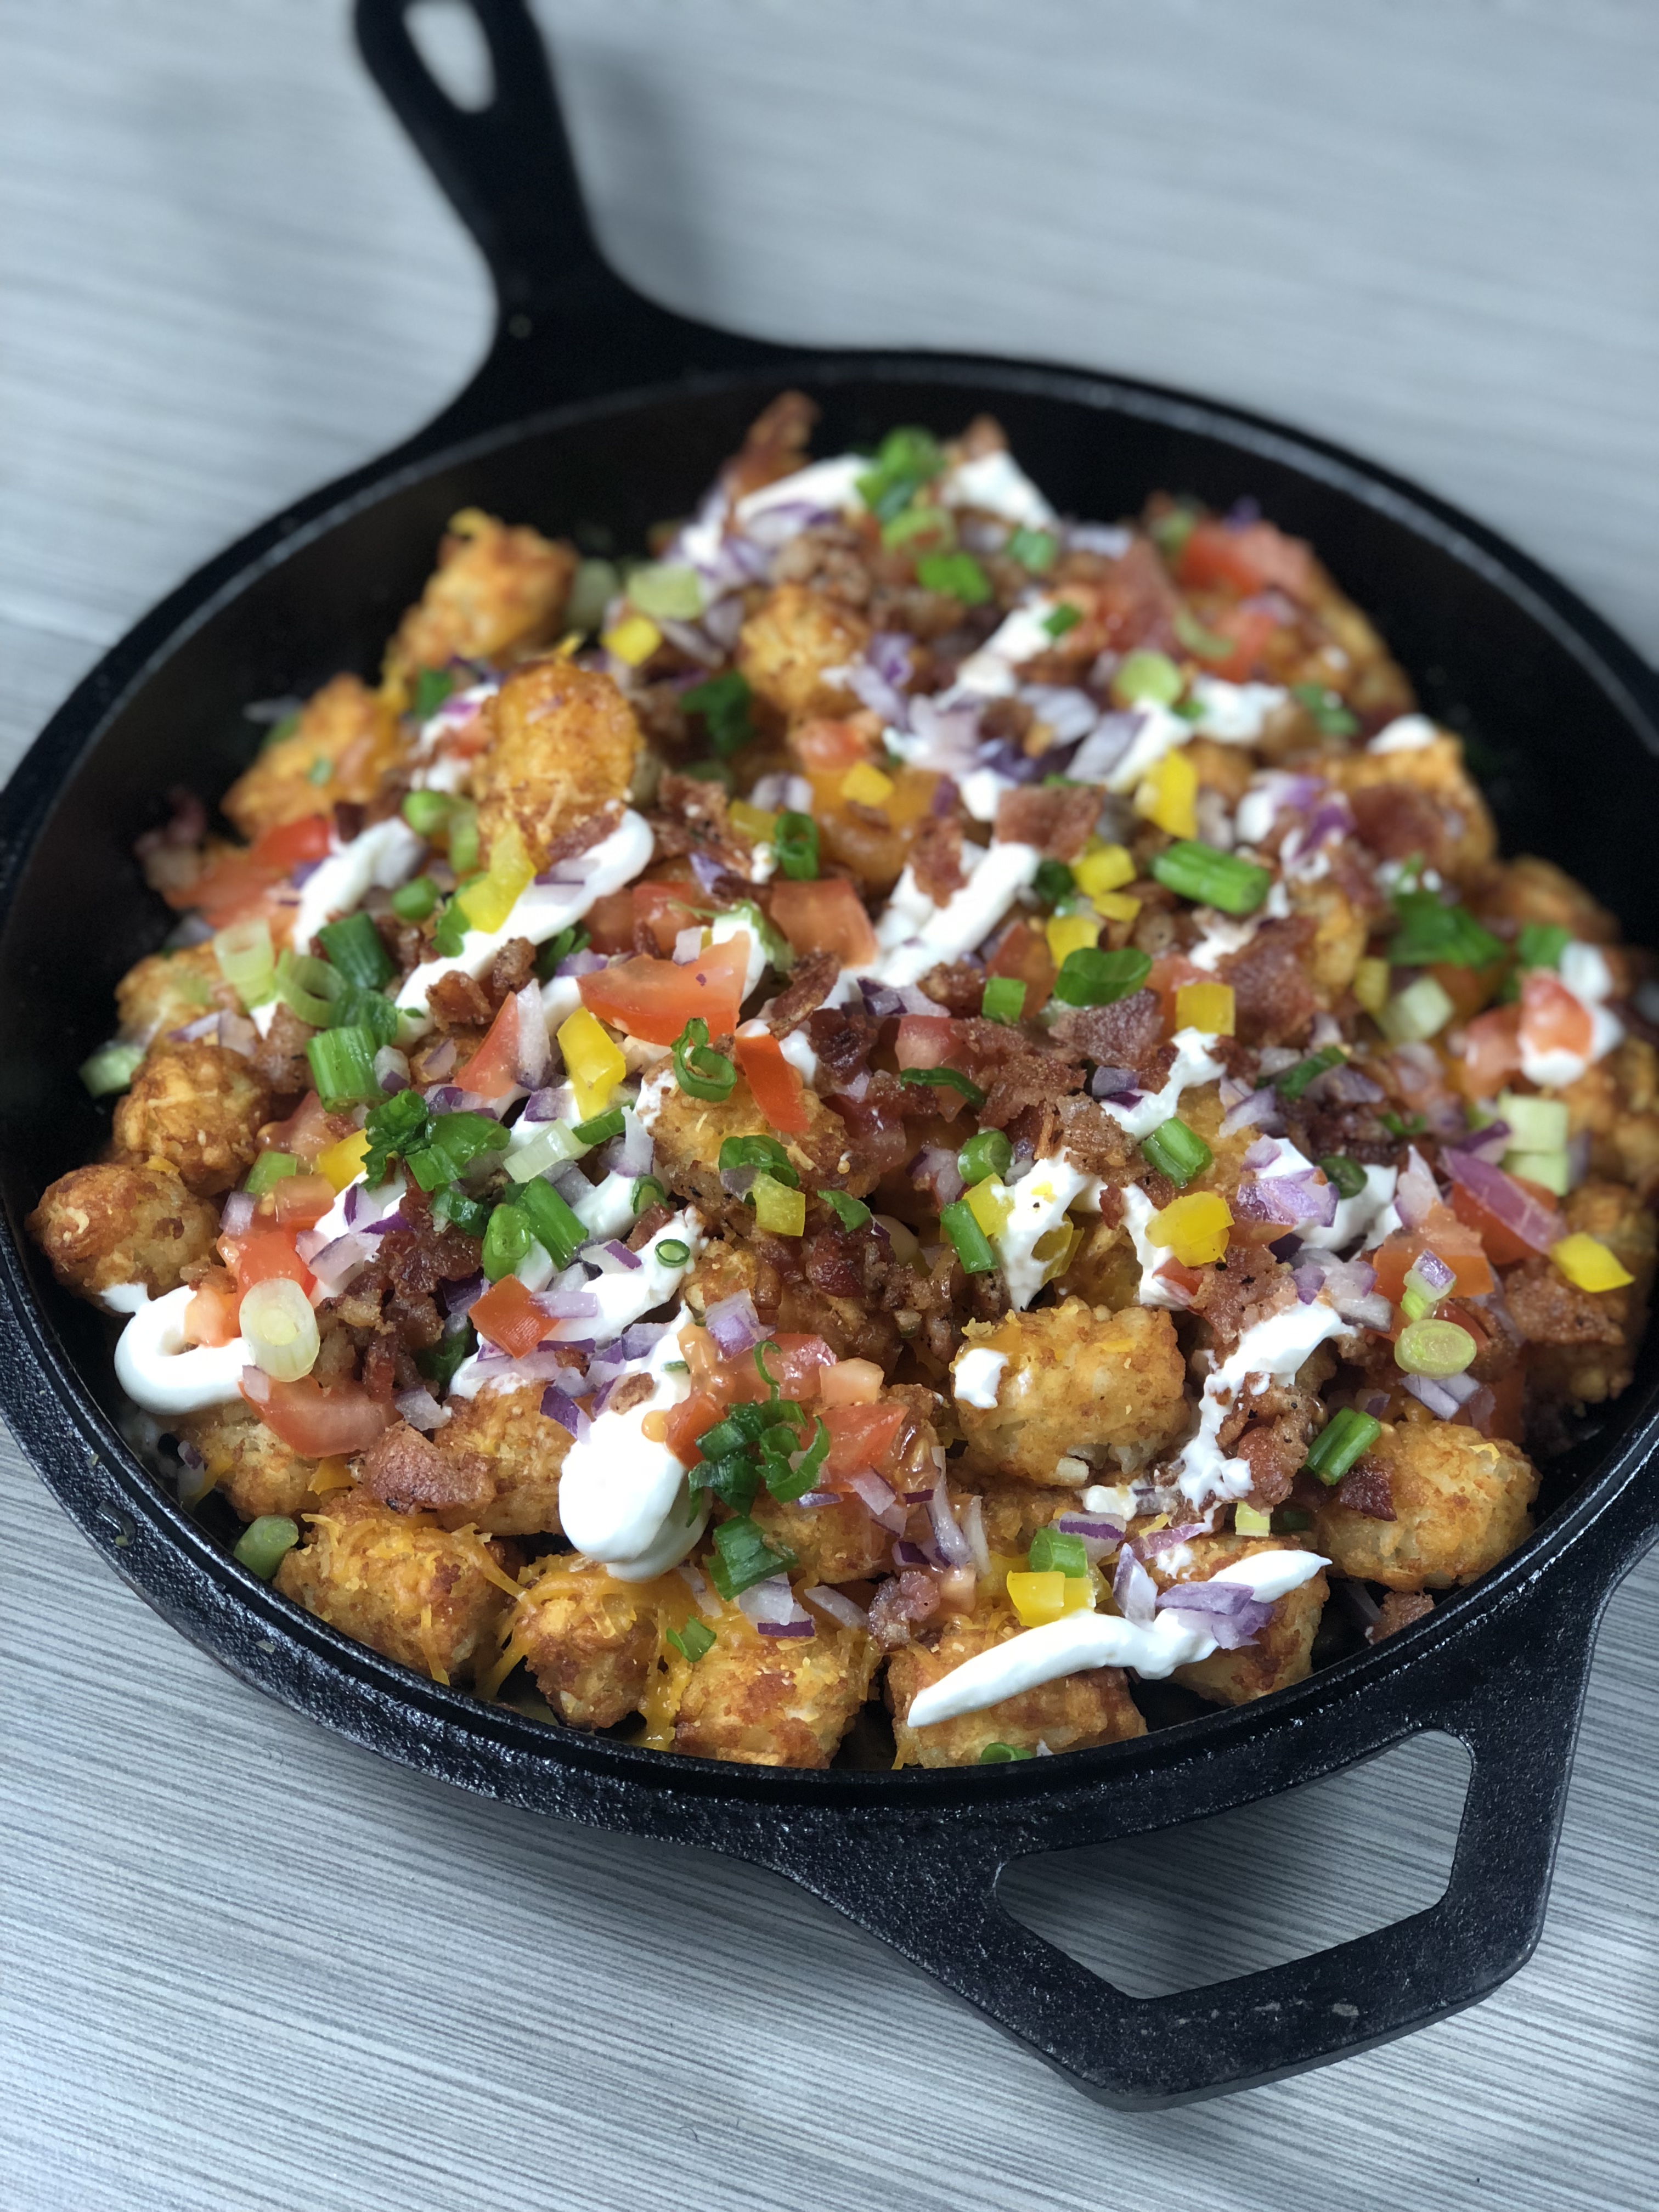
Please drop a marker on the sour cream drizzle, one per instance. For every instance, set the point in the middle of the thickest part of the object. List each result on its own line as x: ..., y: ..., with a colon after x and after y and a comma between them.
x: 155, y: 1367
x: 384, y: 855
x: 1085, y: 1640
x: 915, y: 935
x: 622, y: 1499
x: 1273, y: 1352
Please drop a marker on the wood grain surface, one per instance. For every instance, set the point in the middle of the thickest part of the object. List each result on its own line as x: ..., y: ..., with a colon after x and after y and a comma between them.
x: 249, y: 1969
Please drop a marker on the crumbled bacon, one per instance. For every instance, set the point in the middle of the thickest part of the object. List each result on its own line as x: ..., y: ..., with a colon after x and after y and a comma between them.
x: 844, y: 1041
x: 1058, y: 820
x: 1274, y: 1001
x: 514, y: 966
x: 1547, y: 1309
x: 1244, y: 1288
x: 1398, y: 1610
x: 457, y: 1002
x: 812, y: 981
x: 411, y: 1474
x: 936, y: 856
x: 1126, y: 1034
x: 1367, y: 1488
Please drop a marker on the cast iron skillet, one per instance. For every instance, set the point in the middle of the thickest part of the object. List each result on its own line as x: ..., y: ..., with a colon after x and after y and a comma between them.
x: 594, y: 406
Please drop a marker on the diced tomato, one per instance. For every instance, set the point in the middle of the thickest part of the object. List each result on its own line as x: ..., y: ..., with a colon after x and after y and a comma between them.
x: 1216, y: 557
x: 1552, y: 1018
x: 290, y: 843
x: 316, y: 1423
x: 610, y: 922
x: 667, y: 909
x: 1492, y: 1051
x: 509, y: 1316
x: 795, y: 1367
x: 1452, y: 1240
x: 493, y: 1070
x: 825, y: 916
x: 1182, y: 1277
x: 306, y: 1132
x: 924, y: 1039
x: 263, y: 1256
x: 1022, y: 953
x: 210, y: 1315
x: 688, y: 1420
x: 655, y: 999
x: 860, y: 1436
x: 1251, y: 629
x: 779, y: 1091
x: 233, y: 886
x: 1172, y: 972
x: 301, y: 1202
x: 850, y: 1382
x: 1502, y: 1247
x: 826, y: 745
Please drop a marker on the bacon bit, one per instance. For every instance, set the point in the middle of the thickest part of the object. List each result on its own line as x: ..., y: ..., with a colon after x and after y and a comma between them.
x: 1367, y: 1489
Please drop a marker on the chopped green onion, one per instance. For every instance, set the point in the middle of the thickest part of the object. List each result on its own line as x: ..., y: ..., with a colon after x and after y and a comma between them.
x: 1553, y: 1169
x: 1339, y: 1443
x: 572, y: 938
x: 558, y: 1229
x: 851, y: 1212
x: 646, y: 1191
x: 723, y: 703
x: 700, y: 1070
x: 426, y: 812
x: 265, y: 1543
x: 1003, y: 1754
x: 343, y: 1067
x: 432, y: 687
x: 280, y: 731
x: 1200, y: 871
x: 439, y: 1363
x: 1288, y: 1519
x: 763, y: 1152
x: 275, y: 1320
x: 1003, y: 999
x: 1177, y: 1152
x: 1090, y: 977
x: 1208, y: 644
x: 1054, y: 1552
x: 268, y: 1171
x: 795, y: 842
x: 308, y: 987
x: 1421, y: 1011
x: 806, y: 1475
x: 1059, y: 619
x: 666, y: 591
x: 1536, y: 1125
x: 462, y: 835
x: 1251, y: 1521
x: 1325, y: 708
x: 319, y: 771
x: 1144, y: 674
x: 673, y: 1253
x: 595, y: 585
x: 461, y: 1210
x: 711, y: 771
x: 247, y: 959
x: 111, y: 1069
x: 989, y: 1153
x: 1434, y: 1348
x: 692, y: 1641
x: 1035, y: 550
x: 507, y: 1241
x: 743, y: 1558
x: 1053, y: 882
x: 601, y: 1128
x: 449, y: 938
x: 1347, y: 1175
x: 937, y: 523
x: 1541, y: 945
x: 944, y: 1079
x: 971, y: 1244
x: 1430, y: 931
x: 677, y: 1367
x: 354, y: 946
x: 1403, y: 1125
x: 907, y: 460
x: 391, y: 1126
x: 957, y: 574
x: 1295, y: 1080
x: 1170, y: 529
x: 357, y: 1007
x: 413, y: 901
x: 450, y: 1146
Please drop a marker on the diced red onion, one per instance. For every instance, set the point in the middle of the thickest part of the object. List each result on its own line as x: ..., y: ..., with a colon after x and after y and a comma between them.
x: 446, y: 1098
x: 238, y: 1035
x: 1372, y: 1312
x: 779, y: 790
x: 391, y: 1070
x: 688, y: 945
x: 706, y: 870
x: 193, y: 1030
x: 337, y: 1262
x: 633, y: 1153
x: 1115, y: 1083
x: 1254, y: 1111
x: 420, y: 1409
x: 1291, y: 1198
x: 1164, y: 1539
x: 934, y: 1169
x: 395, y: 1220
x: 460, y: 1298
x: 546, y: 1105
x: 568, y: 1305
x: 1262, y: 1154
x: 734, y: 1324
x: 1436, y: 1275
x: 907, y: 1554
x: 957, y: 1550
x: 877, y: 1495
x: 584, y: 963
x: 532, y: 1068
x: 441, y: 1061
x: 1274, y: 1059
x: 888, y: 654
x: 1350, y: 1086
x: 837, y: 1607
x: 1134, y: 1590
x: 559, y: 1406
x: 802, y: 1628
x: 878, y: 1000
x: 642, y: 1339
x: 1228, y: 1613
x: 572, y: 869
x: 1537, y: 1226
x: 1374, y: 1402
x: 1428, y: 1391
x: 972, y: 1518
x: 612, y: 1257
x: 237, y: 1216
x: 1098, y: 1537
x: 1417, y: 1189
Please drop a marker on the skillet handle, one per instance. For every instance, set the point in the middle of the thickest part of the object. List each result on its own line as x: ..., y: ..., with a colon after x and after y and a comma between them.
x: 568, y: 325
x: 1510, y: 1689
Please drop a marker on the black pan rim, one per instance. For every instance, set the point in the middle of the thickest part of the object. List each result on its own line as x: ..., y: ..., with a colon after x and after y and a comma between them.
x: 223, y: 1596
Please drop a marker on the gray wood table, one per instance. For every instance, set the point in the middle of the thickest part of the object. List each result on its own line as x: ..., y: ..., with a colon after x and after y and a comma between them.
x: 247, y: 1966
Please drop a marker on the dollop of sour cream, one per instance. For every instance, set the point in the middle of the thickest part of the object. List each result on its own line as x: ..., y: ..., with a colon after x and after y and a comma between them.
x: 158, y: 1369
x: 384, y: 855
x: 1085, y: 1640
x: 623, y: 1498
x: 977, y: 1375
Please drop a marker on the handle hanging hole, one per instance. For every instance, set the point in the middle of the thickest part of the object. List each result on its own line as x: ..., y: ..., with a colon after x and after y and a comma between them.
x: 450, y: 40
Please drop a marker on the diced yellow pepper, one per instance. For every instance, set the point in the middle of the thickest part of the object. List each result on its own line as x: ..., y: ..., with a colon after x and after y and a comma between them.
x: 1039, y: 1598
x: 1115, y: 905
x: 1102, y: 868
x: 1207, y: 1006
x: 990, y: 1203
x: 778, y: 1209
x: 633, y: 640
x: 1168, y: 796
x: 1370, y: 985
x: 754, y: 822
x: 331, y: 1474
x: 1055, y: 1248
x: 1250, y: 1521
x: 344, y: 1163
x: 593, y: 1061
x: 1071, y: 932
x: 1195, y: 1226
x: 1589, y: 1265
x: 488, y: 902
x: 867, y: 785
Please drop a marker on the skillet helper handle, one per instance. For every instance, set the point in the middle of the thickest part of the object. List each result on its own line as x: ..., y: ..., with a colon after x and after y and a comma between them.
x: 929, y: 1889
x: 568, y: 327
